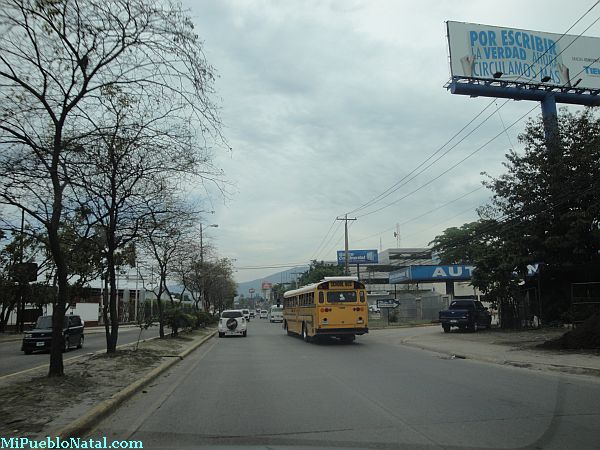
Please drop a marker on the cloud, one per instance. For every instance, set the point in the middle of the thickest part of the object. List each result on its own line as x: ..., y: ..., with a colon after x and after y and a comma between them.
x: 327, y: 104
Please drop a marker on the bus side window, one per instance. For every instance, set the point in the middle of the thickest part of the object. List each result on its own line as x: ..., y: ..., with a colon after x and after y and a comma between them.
x: 321, y: 296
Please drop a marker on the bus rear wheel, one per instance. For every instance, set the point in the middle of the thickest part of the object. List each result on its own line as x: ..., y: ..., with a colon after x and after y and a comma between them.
x: 305, y: 333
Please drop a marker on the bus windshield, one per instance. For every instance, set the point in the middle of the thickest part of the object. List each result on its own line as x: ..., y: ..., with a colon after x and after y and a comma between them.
x: 341, y: 296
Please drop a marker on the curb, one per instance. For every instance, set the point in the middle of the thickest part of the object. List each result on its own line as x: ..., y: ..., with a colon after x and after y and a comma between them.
x: 11, y: 339
x: 104, y: 409
x: 393, y: 327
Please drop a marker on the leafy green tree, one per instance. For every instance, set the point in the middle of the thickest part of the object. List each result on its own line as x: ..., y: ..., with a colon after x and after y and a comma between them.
x: 544, y: 209
x: 497, y: 273
x: 319, y: 270
x: 279, y: 289
x: 548, y: 198
x: 219, y: 285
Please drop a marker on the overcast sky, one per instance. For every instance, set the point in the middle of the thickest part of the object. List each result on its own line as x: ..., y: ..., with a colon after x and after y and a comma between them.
x: 326, y: 104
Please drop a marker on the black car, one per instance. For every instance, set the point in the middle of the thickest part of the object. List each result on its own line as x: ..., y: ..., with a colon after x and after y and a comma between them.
x: 465, y: 314
x: 40, y: 337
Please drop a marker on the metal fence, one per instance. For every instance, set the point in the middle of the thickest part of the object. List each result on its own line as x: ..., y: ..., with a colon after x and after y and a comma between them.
x: 420, y: 306
x: 585, y: 300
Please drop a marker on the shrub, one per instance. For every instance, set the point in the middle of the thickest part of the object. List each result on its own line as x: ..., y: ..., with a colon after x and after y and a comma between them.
x: 202, y: 319
x: 176, y: 319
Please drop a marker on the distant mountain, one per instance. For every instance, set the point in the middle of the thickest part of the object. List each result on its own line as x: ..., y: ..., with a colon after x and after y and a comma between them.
x: 280, y: 277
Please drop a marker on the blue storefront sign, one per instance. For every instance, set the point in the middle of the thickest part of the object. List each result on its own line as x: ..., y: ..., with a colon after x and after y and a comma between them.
x: 358, y: 257
x: 413, y: 274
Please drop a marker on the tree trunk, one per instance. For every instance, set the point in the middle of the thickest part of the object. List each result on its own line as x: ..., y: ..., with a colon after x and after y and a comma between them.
x: 161, y: 324
x: 113, y: 306
x: 161, y: 319
x: 105, y: 310
x: 56, y: 368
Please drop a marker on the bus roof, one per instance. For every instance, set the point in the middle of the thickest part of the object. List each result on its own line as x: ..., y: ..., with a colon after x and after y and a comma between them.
x: 313, y: 286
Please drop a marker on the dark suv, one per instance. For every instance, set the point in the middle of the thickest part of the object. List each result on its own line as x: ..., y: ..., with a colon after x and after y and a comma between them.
x: 40, y: 337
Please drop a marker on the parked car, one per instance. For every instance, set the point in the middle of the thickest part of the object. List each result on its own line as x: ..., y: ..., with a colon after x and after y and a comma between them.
x: 252, y: 314
x: 465, y: 314
x: 232, y: 323
x: 40, y: 337
x: 264, y: 314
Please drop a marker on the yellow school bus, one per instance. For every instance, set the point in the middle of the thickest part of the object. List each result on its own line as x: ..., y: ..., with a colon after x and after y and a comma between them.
x: 335, y: 306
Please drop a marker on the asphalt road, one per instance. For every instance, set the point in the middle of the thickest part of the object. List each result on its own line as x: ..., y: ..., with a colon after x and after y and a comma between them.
x: 13, y: 360
x: 272, y: 389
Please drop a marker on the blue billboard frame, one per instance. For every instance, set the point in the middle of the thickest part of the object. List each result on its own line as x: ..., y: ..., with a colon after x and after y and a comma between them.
x: 358, y: 257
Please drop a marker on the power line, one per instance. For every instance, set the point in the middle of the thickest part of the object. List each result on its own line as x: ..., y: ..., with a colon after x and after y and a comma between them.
x: 272, y: 266
x: 398, y: 184
x: 450, y: 168
x: 316, y: 253
x: 506, y: 221
x: 333, y: 234
x: 423, y: 214
x: 449, y: 219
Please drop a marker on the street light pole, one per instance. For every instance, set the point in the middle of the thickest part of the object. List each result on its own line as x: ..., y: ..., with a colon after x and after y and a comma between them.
x: 214, y: 225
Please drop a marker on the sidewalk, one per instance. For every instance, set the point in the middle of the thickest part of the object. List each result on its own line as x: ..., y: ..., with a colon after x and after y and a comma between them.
x: 514, y: 348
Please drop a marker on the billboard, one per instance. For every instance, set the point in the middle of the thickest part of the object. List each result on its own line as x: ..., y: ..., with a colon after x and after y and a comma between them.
x: 414, y: 274
x: 266, y: 285
x: 480, y: 51
x: 358, y: 257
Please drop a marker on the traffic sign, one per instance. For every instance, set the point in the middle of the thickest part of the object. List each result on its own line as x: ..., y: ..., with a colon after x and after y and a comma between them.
x: 388, y: 303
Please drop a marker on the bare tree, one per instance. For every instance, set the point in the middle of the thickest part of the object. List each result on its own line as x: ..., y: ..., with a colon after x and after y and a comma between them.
x: 218, y: 284
x: 165, y: 241
x: 189, y: 270
x: 58, y: 59
x: 131, y: 159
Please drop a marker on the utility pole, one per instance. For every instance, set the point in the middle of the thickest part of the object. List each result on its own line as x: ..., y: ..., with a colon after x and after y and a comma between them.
x: 345, y: 219
x: 296, y: 278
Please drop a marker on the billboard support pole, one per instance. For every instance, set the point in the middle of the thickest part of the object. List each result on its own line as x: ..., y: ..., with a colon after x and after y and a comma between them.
x: 550, y: 117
